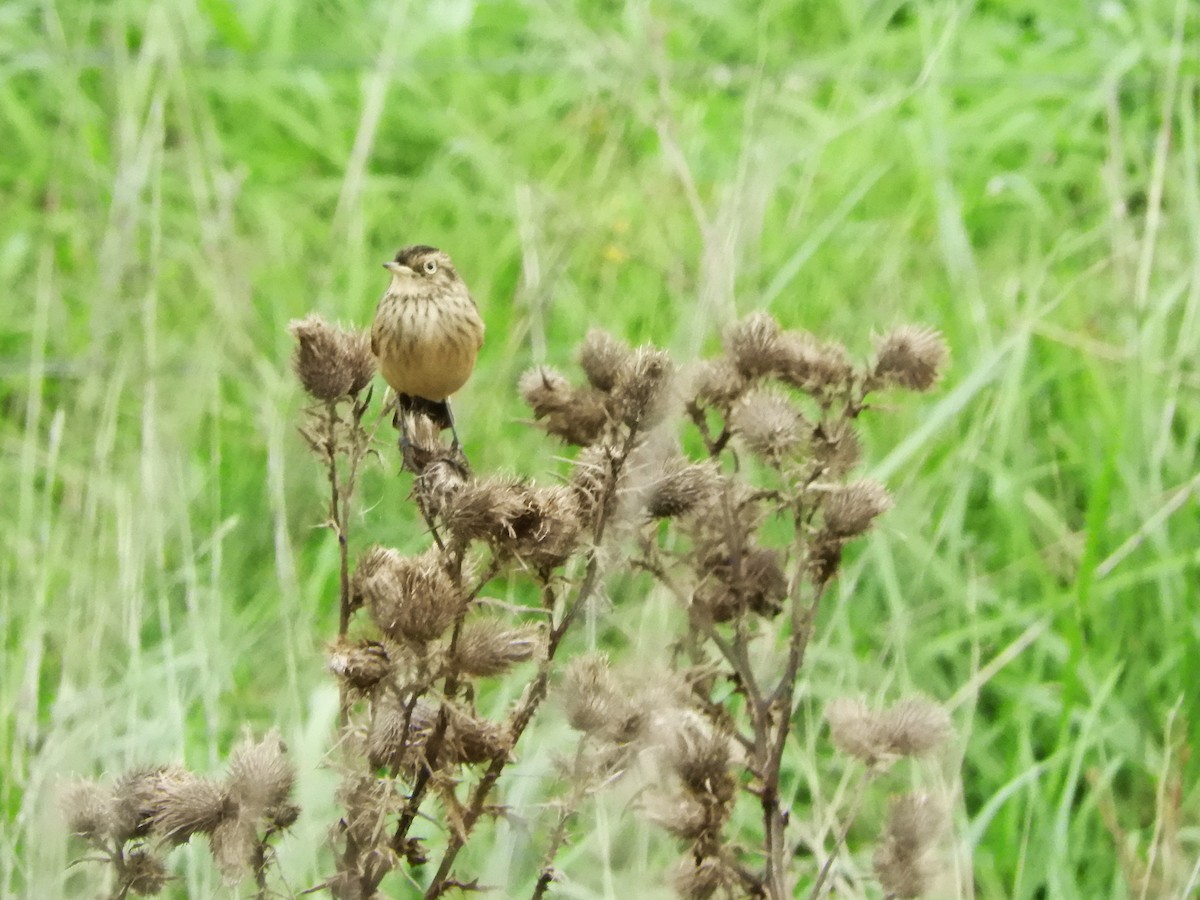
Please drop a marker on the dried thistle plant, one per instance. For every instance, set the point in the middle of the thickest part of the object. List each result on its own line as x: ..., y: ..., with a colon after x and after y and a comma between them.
x: 747, y: 534
x: 136, y: 820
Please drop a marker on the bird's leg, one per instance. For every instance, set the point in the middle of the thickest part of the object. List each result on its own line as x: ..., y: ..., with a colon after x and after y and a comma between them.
x: 455, y: 444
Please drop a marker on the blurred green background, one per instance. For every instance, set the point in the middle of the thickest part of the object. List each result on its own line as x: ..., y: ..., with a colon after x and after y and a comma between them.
x: 180, y: 179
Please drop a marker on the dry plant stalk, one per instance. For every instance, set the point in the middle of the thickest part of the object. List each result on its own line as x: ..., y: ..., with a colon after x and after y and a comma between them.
x: 747, y: 534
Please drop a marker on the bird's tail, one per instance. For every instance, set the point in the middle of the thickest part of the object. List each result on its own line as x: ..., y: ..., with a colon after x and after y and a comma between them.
x: 437, y: 411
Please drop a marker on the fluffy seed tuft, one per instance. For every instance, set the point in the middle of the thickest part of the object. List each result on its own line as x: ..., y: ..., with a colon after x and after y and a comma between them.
x: 145, y: 873
x: 911, y: 356
x: 330, y: 361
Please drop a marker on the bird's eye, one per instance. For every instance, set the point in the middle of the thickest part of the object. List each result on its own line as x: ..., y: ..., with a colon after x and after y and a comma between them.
x: 430, y: 266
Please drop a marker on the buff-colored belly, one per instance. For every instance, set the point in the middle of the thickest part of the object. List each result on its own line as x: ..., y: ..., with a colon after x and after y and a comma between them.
x: 432, y: 350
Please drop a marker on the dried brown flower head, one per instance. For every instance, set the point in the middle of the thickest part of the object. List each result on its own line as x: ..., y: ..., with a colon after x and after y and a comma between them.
x: 912, y: 727
x: 604, y: 359
x: 717, y: 382
x: 836, y: 446
x: 470, y: 739
x: 595, y: 701
x: 234, y: 843
x: 537, y: 525
x: 330, y: 361
x: 145, y: 875
x: 360, y: 665
x: 702, y: 879
x: 88, y: 808
x: 753, y: 345
x: 576, y: 415
x: 813, y: 365
x: 911, y: 356
x: 594, y: 480
x: 680, y: 486
x: 398, y: 731
x: 752, y: 580
x: 850, y: 509
x: 188, y: 804
x: 902, y: 860
x: 701, y: 756
x: 136, y: 795
x: 768, y: 423
x: 261, y: 777
x: 488, y: 646
x: 411, y: 598
x: 642, y: 393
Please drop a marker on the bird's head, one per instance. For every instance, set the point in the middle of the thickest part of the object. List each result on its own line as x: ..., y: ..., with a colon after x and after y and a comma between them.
x: 422, y: 264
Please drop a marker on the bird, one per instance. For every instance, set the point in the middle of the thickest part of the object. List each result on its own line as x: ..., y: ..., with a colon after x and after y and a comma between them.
x: 426, y: 334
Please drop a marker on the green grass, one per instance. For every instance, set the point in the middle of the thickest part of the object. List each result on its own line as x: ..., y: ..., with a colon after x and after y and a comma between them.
x: 182, y: 179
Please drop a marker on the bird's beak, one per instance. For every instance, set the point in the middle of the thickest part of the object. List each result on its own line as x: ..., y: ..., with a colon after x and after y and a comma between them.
x: 397, y: 268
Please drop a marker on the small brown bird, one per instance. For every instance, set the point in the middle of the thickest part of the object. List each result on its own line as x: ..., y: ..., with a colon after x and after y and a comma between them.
x: 426, y: 334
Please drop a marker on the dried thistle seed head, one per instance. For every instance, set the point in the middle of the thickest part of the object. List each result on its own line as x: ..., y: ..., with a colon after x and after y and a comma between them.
x: 88, y: 808
x: 594, y: 479
x: 261, y: 776
x: 485, y: 510
x: 411, y: 598
x: 330, y: 361
x: 136, y: 795
x: 474, y: 740
x: 836, y: 446
x: 911, y: 727
x: 681, y: 814
x: 717, y: 382
x: 234, y: 845
x: 397, y: 733
x: 911, y: 356
x: 577, y: 416
x: 914, y: 727
x: 681, y: 486
x: 824, y: 559
x: 188, y: 804
x: 359, y: 665
x: 902, y: 860
x: 145, y: 875
x: 813, y: 365
x: 702, y: 879
x: 487, y: 646
x: 850, y: 509
x: 603, y: 359
x: 547, y: 530
x: 768, y: 423
x: 750, y: 581
x: 593, y: 698
x: 642, y: 394
x: 701, y: 756
x: 753, y: 345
